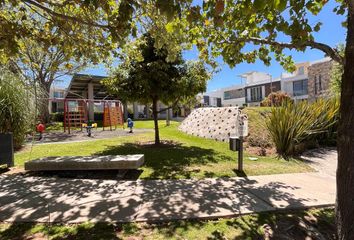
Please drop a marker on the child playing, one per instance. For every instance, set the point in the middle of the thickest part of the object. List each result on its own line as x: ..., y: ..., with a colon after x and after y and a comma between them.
x: 40, y: 129
x: 130, y: 124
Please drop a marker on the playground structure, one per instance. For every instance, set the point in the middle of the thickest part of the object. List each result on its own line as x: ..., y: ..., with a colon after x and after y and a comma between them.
x: 76, y: 113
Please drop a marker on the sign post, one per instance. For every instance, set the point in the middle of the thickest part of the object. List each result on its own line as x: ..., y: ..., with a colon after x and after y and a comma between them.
x: 236, y: 143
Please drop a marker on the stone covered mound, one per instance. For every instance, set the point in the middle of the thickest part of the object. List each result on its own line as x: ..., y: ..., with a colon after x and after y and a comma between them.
x: 214, y: 123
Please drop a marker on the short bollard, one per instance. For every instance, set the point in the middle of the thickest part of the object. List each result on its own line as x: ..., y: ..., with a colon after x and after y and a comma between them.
x: 236, y: 144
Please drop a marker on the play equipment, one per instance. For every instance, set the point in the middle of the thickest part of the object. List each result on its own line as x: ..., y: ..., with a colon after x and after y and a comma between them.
x: 89, y: 127
x: 76, y: 113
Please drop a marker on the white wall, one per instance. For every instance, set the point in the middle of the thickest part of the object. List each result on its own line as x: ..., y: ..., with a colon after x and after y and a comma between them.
x: 255, y: 78
x: 233, y: 102
x: 219, y: 93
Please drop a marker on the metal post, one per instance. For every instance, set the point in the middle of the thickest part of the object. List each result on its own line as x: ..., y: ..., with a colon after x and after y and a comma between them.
x: 240, y: 155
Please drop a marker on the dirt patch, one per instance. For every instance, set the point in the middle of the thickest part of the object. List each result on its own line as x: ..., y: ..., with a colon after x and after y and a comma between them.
x: 260, y: 151
x: 12, y: 170
x: 163, y: 144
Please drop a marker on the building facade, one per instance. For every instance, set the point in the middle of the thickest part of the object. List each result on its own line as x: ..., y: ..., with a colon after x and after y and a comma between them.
x: 296, y: 83
x: 225, y: 97
x: 56, y: 96
x: 258, y: 86
x: 309, y: 81
x: 319, y: 74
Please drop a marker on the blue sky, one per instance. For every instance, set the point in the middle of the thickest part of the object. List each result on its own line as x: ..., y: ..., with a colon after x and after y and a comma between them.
x: 331, y: 33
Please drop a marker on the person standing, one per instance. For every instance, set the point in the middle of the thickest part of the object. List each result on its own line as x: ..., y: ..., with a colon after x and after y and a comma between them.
x: 130, y: 124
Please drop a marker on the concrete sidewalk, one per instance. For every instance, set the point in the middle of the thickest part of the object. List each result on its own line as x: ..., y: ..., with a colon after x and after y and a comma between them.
x: 42, y: 199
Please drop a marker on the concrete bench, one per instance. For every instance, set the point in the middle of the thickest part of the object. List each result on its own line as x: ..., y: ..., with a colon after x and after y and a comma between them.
x: 110, y: 162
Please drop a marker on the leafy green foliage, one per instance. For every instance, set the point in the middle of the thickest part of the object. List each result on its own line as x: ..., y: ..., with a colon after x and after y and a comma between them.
x: 42, y: 65
x: 147, y: 76
x: 229, y: 28
x: 17, y: 106
x: 295, y: 123
x: 94, y: 29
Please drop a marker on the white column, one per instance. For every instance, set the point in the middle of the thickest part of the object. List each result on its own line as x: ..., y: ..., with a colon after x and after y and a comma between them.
x: 248, y: 94
x: 263, y: 92
x: 90, y: 97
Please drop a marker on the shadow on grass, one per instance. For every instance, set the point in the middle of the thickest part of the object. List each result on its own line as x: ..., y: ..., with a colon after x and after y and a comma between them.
x: 168, y: 160
x: 286, y: 225
x: 313, y: 224
x: 16, y: 231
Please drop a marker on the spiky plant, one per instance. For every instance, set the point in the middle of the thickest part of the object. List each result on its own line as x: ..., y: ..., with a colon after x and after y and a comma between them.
x: 295, y: 123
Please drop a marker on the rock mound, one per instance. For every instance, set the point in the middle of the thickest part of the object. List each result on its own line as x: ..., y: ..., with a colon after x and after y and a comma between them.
x: 214, y: 123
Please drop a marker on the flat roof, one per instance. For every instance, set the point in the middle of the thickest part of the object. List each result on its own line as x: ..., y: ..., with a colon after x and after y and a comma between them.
x: 79, y: 85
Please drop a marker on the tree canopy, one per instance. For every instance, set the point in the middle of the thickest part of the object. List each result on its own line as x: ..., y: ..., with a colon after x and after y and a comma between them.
x: 152, y: 78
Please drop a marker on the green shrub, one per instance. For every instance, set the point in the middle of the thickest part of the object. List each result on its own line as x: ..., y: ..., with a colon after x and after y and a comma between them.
x: 258, y: 133
x: 16, y: 107
x: 293, y: 124
x: 57, y: 117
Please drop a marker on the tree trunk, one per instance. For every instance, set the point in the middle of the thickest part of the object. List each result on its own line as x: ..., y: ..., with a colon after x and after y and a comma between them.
x: 44, y: 103
x: 156, y: 123
x: 168, y: 121
x: 345, y: 170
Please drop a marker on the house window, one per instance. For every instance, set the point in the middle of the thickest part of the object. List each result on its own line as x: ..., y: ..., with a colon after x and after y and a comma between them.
x: 235, y: 93
x: 301, y: 70
x: 256, y: 94
x: 318, y: 84
x: 300, y: 87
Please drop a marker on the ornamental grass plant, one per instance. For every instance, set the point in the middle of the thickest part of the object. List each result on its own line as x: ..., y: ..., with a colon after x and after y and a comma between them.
x: 295, y: 123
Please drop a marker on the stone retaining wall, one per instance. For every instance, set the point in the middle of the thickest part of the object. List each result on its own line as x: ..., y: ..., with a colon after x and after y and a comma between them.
x: 214, y: 123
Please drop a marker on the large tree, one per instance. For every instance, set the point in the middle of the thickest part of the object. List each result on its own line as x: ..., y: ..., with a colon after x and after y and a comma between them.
x: 41, y: 65
x: 222, y: 27
x: 152, y: 78
x: 86, y: 27
x: 228, y: 28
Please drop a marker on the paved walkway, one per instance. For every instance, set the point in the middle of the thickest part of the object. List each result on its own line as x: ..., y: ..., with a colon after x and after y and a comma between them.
x: 76, y: 200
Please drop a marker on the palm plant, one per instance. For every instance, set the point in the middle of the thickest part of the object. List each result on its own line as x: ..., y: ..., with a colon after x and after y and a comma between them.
x: 295, y: 123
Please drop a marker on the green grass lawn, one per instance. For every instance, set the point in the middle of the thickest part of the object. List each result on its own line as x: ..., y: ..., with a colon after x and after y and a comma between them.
x: 188, y: 157
x: 291, y: 225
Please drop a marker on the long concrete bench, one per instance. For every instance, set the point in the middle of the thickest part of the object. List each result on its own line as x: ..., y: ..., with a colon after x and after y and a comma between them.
x: 110, y: 162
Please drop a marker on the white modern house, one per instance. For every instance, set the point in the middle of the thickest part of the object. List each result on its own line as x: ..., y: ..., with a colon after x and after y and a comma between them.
x: 258, y: 86
x: 311, y: 80
x: 296, y: 84
x: 225, y: 97
x: 56, y: 93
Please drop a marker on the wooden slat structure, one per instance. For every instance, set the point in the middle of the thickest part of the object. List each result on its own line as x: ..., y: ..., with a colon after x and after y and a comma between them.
x: 112, y: 115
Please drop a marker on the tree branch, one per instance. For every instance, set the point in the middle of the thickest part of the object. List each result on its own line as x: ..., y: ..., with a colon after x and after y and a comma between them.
x: 331, y: 52
x: 63, y: 16
x: 173, y: 105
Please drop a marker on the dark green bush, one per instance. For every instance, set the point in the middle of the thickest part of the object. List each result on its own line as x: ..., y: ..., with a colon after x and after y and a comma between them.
x: 57, y: 117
